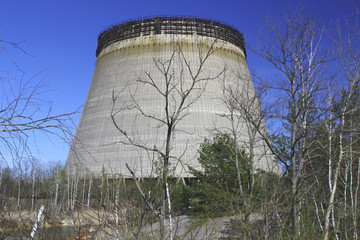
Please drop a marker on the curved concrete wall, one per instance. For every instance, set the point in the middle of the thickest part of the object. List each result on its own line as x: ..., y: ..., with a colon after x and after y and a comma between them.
x: 98, y: 144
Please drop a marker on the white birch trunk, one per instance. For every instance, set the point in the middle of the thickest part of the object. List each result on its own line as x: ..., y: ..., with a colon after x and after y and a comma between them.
x: 170, y: 218
x: 336, y: 176
x: 355, y: 213
x: 117, y: 214
x: 32, y: 234
x: 83, y: 190
x: 353, y: 195
x: 89, y: 192
x: 56, y: 195
x: 74, y: 190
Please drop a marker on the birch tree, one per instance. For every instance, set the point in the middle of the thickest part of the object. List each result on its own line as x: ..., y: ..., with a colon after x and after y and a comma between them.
x: 347, y: 46
x: 25, y: 113
x: 246, y: 121
x: 178, y: 94
x: 293, y: 50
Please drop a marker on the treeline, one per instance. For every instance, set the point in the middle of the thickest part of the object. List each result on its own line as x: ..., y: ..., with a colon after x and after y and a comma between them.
x: 59, y: 191
x: 310, y: 104
x: 312, y: 109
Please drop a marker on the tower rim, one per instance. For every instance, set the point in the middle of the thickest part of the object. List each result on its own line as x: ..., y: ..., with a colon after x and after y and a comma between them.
x: 170, y: 25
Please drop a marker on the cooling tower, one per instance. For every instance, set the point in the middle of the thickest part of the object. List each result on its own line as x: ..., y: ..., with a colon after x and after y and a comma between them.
x: 143, y: 70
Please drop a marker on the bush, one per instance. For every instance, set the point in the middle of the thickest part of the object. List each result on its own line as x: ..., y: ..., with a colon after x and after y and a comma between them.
x: 215, y: 192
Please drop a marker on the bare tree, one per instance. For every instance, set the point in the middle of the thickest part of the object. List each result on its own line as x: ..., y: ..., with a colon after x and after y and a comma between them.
x: 21, y: 114
x: 181, y: 84
x: 347, y: 46
x: 58, y: 176
x: 25, y: 112
x: 245, y: 116
x: 295, y: 54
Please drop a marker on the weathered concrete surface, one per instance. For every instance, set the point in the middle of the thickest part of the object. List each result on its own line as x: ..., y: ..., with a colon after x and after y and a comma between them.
x: 98, y: 144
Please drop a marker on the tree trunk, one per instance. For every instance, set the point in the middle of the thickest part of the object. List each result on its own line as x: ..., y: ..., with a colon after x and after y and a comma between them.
x: 89, y: 193
x: 32, y: 234
x: 33, y: 185
x: 56, y: 195
x: 336, y: 176
x: 169, y: 206
x: 83, y: 190
x: 19, y: 192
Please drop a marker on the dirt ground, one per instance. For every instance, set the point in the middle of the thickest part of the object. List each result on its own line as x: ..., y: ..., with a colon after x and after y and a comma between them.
x: 183, y: 227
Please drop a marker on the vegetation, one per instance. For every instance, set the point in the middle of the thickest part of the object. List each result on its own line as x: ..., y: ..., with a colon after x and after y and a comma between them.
x: 313, y: 133
x: 215, y: 190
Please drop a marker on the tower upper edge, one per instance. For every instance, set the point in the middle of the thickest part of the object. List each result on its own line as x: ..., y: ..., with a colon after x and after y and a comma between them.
x: 170, y: 25
x: 170, y: 39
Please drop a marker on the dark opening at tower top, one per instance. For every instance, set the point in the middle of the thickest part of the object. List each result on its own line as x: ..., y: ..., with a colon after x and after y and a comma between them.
x: 170, y: 25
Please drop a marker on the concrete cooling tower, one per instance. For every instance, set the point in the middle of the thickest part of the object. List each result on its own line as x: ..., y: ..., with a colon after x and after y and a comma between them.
x: 152, y: 71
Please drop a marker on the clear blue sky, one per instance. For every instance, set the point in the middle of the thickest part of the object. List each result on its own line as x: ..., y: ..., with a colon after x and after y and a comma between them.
x: 62, y: 36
